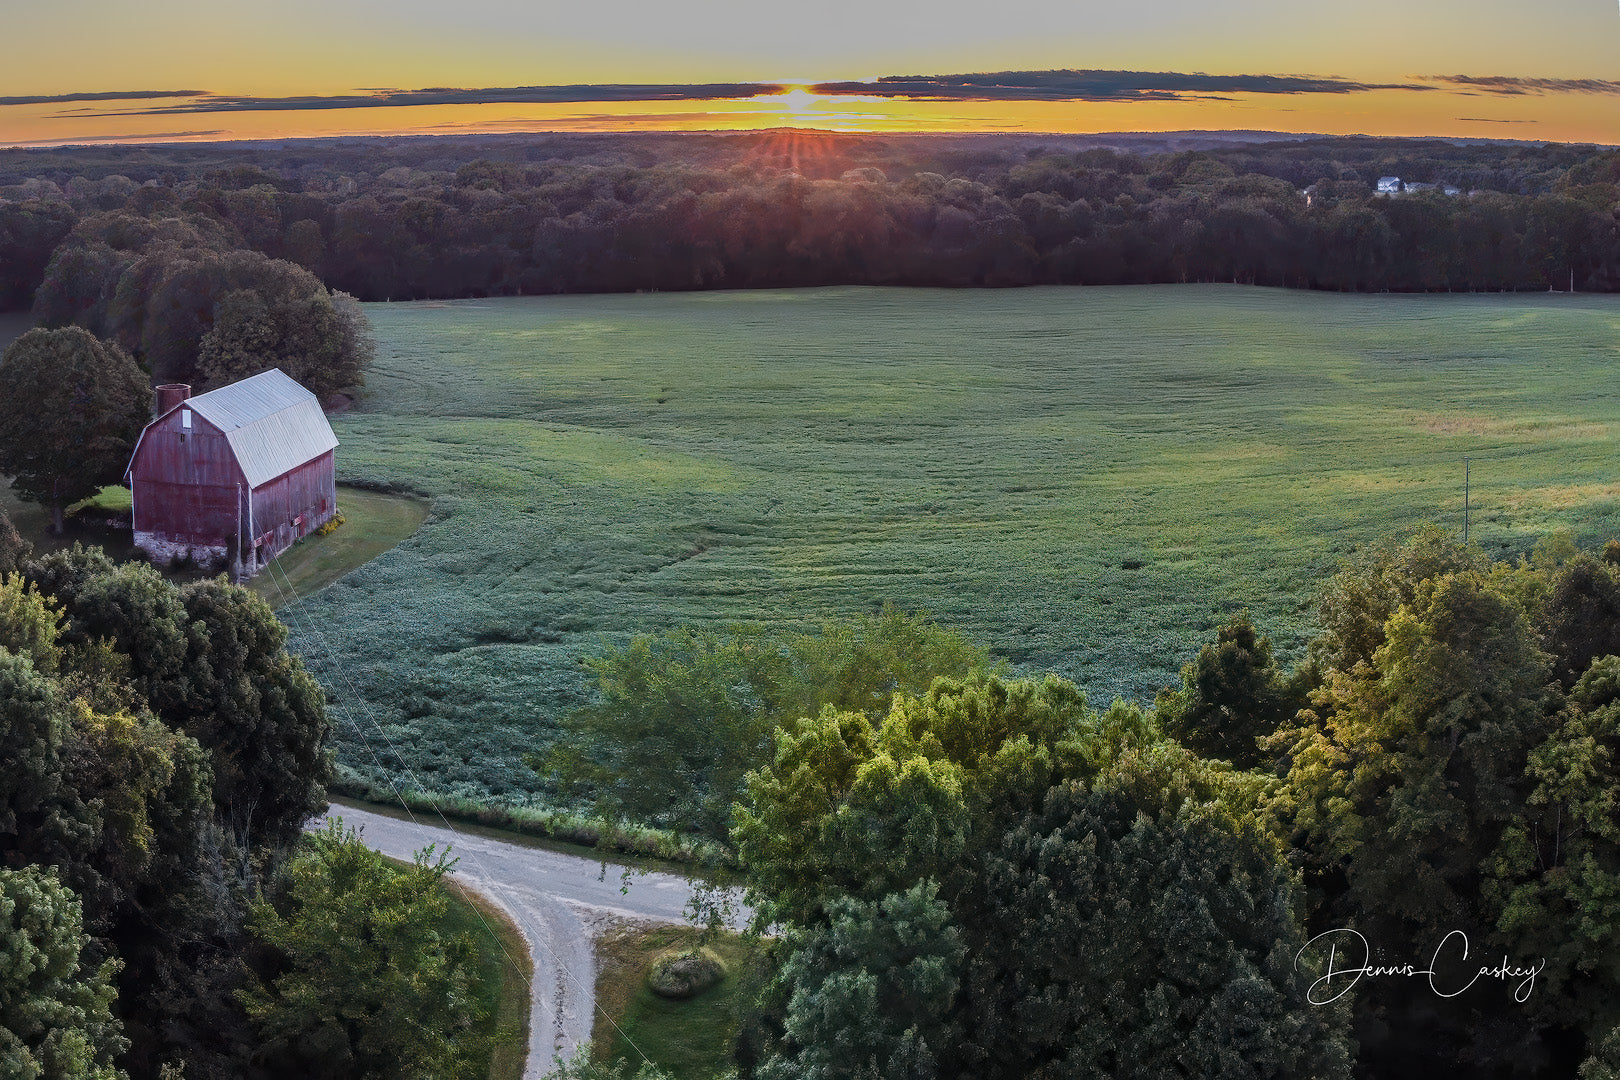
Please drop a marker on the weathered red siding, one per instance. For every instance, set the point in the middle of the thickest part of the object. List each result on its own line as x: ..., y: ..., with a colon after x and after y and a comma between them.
x: 186, y: 483
x: 294, y: 503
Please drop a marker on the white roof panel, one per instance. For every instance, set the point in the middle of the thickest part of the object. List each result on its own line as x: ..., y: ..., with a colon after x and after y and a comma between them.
x: 272, y: 424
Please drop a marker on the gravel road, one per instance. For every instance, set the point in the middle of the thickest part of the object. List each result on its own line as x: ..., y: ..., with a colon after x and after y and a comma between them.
x: 557, y: 900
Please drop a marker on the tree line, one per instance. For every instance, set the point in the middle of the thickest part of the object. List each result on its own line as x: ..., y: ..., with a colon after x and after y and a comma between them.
x: 160, y: 916
x: 415, y: 219
x: 972, y: 873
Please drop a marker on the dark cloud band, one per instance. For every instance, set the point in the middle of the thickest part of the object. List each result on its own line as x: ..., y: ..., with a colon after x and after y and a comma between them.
x: 1063, y: 85
x: 514, y: 95
x: 1511, y: 86
x: 1096, y: 86
x: 111, y: 95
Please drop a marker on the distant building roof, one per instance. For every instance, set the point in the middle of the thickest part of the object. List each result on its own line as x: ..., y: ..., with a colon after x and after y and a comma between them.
x: 272, y: 424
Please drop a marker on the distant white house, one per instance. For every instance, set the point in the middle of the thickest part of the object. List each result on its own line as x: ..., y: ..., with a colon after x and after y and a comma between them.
x: 1391, y: 185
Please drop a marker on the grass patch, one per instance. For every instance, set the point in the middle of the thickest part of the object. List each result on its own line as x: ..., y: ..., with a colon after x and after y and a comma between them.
x: 691, y: 1039
x: 503, y: 986
x: 373, y: 523
x: 33, y: 521
x: 115, y: 499
x: 1086, y: 480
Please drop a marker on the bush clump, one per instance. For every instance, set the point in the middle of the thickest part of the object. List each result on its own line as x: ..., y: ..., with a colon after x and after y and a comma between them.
x: 685, y: 973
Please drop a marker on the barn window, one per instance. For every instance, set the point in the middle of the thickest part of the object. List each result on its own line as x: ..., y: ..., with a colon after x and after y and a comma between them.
x: 185, y: 419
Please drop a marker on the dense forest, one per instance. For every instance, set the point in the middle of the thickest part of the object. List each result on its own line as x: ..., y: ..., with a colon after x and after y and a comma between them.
x: 92, y: 234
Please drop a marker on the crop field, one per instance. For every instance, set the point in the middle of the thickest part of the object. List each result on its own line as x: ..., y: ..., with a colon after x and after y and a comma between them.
x: 1087, y: 480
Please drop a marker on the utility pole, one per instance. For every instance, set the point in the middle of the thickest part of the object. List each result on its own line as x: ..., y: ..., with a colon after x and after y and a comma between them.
x: 1465, y: 500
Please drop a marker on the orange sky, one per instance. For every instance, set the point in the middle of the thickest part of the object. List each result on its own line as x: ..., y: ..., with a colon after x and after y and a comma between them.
x: 305, y: 47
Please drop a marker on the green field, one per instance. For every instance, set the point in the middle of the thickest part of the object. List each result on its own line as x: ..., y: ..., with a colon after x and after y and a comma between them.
x: 1088, y: 480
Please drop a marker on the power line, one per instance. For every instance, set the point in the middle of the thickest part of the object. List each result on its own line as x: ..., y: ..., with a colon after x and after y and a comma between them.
x: 360, y: 700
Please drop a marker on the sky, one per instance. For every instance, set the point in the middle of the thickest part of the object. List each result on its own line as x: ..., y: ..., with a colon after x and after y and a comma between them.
x: 173, y: 70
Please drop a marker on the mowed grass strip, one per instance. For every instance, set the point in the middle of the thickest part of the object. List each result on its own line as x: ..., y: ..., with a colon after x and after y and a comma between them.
x: 691, y: 1039
x: 373, y: 523
x: 1087, y: 480
x: 504, y: 972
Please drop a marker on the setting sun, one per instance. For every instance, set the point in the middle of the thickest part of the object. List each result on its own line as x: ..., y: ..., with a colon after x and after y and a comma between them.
x: 798, y: 101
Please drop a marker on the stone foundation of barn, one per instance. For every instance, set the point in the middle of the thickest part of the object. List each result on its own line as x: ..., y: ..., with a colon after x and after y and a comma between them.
x: 164, y: 551
x: 216, y: 558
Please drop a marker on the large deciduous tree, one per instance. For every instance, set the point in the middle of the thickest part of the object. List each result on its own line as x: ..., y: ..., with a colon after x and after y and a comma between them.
x: 1231, y: 696
x: 1142, y: 926
x: 74, y: 407
x: 1405, y: 771
x: 211, y: 661
x: 288, y: 322
x: 683, y: 715
x: 1554, y: 880
x: 258, y: 711
x: 872, y: 990
x: 360, y: 982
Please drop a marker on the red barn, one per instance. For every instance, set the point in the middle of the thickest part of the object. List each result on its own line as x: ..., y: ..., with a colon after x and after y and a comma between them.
x: 234, y: 476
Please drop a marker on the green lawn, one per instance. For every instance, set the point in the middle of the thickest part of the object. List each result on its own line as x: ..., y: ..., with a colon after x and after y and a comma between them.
x: 690, y: 1040
x: 373, y: 523
x: 33, y: 521
x: 1087, y: 480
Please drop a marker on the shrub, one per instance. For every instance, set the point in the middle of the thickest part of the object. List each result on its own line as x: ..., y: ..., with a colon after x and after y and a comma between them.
x: 686, y: 973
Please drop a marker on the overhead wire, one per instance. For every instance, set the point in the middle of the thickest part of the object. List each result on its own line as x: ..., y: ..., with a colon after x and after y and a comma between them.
x: 289, y: 592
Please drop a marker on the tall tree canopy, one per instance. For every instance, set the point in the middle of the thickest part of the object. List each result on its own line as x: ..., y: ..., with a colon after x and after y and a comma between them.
x: 1231, y: 696
x: 211, y: 660
x: 74, y: 408
x: 183, y: 295
x: 361, y: 985
x: 996, y: 880
x: 684, y: 715
x: 107, y: 672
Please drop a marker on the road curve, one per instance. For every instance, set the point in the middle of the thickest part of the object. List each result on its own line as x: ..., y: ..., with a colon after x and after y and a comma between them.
x: 556, y: 900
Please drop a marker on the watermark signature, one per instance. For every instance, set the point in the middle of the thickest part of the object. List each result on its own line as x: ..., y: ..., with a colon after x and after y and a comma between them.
x: 1348, y: 962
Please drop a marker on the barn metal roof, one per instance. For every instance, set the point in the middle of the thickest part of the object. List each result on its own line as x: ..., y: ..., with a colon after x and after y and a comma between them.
x: 272, y: 424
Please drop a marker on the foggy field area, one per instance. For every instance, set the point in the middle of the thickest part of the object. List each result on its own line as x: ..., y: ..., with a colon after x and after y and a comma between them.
x: 1086, y: 480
